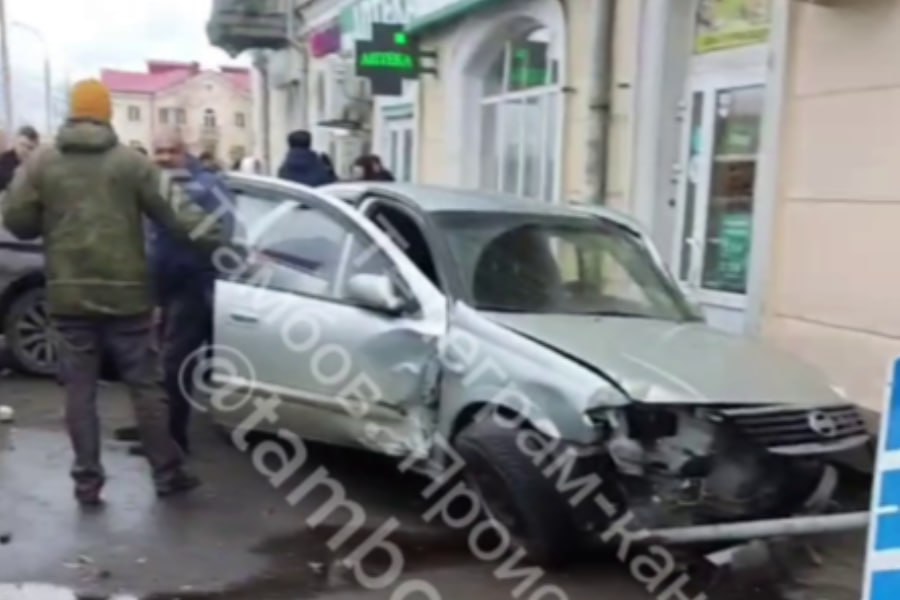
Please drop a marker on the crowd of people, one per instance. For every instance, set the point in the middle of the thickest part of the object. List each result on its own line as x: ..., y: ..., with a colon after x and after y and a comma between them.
x: 118, y: 251
x: 129, y: 269
x: 304, y: 165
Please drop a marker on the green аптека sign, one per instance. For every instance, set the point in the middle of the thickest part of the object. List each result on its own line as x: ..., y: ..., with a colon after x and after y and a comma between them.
x: 388, y: 59
x: 396, y: 61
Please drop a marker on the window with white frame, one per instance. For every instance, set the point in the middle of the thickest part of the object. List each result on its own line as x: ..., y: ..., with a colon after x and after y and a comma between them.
x: 519, y: 129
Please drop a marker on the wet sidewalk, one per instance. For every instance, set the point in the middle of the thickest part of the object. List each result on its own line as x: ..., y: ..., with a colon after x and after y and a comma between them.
x: 233, y: 532
x: 239, y: 539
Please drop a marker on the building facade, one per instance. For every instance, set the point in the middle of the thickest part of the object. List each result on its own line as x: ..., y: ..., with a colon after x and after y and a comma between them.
x: 212, y: 109
x: 833, y: 292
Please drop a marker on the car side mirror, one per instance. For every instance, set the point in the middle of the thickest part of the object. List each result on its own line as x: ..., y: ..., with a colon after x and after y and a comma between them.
x: 380, y: 293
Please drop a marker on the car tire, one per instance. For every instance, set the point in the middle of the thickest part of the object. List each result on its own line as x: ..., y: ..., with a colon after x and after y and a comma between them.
x: 517, y: 494
x: 30, y: 340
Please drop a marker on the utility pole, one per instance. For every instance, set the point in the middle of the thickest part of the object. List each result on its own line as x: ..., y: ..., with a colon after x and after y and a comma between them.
x: 48, y: 76
x: 7, y: 72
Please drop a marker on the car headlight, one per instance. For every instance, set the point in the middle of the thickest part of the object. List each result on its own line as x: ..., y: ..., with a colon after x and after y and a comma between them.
x: 605, y: 408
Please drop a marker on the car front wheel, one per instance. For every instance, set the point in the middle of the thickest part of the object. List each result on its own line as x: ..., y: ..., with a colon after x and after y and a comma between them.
x: 30, y: 339
x: 516, y: 494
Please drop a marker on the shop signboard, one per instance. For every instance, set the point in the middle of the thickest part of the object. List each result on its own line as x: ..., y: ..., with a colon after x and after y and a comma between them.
x: 326, y: 41
x: 882, y: 570
x: 357, y: 19
x: 728, y: 24
x: 388, y: 59
x: 729, y: 272
x: 529, y: 65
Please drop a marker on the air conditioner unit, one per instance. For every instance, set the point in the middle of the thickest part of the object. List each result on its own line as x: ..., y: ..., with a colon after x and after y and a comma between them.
x: 285, y: 68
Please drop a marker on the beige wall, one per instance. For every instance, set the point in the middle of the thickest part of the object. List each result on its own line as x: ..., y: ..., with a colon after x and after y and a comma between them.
x: 582, y: 70
x: 437, y: 99
x: 433, y: 117
x: 212, y: 91
x: 208, y: 90
x: 133, y: 131
x: 835, y: 292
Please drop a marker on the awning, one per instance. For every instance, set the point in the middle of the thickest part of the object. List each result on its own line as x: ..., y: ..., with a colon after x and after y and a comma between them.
x: 430, y: 14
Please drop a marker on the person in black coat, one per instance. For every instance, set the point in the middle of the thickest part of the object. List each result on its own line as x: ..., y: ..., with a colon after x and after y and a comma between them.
x: 302, y: 164
x: 27, y: 139
x: 381, y: 173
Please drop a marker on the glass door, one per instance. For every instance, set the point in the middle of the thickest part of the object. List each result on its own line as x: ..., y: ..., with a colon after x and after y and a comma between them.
x: 401, y: 148
x: 721, y: 152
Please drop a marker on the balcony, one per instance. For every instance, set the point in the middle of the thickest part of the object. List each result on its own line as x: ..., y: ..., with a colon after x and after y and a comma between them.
x: 239, y: 25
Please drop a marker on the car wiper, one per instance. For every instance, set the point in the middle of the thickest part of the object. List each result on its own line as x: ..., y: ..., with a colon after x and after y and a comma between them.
x: 503, y: 309
x: 617, y: 313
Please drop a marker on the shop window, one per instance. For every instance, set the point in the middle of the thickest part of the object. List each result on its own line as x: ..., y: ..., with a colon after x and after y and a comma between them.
x: 518, y: 118
x: 731, y: 197
x: 134, y: 113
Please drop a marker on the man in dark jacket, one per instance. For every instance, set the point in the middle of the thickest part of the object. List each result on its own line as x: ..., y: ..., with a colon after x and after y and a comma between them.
x: 185, y: 278
x: 27, y: 140
x: 381, y: 172
x: 302, y: 165
x: 87, y: 197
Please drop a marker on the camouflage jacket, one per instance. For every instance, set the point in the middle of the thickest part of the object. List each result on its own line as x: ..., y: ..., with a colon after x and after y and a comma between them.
x: 87, y: 197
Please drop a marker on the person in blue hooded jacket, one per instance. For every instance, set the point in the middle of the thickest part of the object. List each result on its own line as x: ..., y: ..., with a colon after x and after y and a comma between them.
x: 303, y: 165
x: 185, y: 279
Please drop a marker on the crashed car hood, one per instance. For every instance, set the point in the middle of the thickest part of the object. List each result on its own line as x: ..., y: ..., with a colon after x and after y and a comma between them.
x: 664, y: 362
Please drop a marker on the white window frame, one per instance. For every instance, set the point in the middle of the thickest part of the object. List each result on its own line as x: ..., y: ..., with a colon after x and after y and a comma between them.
x: 546, y: 95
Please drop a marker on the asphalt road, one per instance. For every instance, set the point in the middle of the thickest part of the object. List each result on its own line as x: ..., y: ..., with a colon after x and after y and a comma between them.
x: 239, y: 538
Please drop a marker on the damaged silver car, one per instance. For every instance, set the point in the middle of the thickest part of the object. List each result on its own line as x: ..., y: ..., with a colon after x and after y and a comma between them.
x: 439, y: 310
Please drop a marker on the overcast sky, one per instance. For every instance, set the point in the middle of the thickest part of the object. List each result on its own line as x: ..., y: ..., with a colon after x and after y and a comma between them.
x: 87, y: 35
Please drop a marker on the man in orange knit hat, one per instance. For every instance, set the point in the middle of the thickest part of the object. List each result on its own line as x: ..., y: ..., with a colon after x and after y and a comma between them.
x: 87, y: 197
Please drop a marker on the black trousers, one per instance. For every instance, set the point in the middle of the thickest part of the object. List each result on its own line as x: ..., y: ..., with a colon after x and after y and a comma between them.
x: 186, y: 332
x: 128, y: 343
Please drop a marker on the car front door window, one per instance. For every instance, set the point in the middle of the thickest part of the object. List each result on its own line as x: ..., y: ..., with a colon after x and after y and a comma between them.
x: 300, y: 252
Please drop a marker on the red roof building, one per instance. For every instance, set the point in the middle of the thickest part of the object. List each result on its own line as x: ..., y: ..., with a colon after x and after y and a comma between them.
x: 211, y: 107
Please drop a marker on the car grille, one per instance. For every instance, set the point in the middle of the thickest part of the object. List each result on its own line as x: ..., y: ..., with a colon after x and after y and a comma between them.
x: 791, y: 430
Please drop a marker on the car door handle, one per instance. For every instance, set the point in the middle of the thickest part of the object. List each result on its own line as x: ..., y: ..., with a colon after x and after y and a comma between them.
x: 244, y: 318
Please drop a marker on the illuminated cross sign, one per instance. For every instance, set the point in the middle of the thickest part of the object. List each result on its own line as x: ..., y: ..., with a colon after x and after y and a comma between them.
x: 390, y: 58
x: 529, y: 65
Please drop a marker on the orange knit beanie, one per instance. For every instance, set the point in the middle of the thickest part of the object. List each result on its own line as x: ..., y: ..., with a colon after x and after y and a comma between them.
x: 91, y: 101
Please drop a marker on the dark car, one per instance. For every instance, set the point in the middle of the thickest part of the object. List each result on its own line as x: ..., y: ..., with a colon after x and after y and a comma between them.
x: 23, y: 315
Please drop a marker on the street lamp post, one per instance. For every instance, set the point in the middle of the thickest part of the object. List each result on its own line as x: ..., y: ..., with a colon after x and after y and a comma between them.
x: 7, y: 72
x: 48, y: 81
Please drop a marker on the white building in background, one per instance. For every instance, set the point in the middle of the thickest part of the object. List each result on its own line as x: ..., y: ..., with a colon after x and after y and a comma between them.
x: 213, y: 109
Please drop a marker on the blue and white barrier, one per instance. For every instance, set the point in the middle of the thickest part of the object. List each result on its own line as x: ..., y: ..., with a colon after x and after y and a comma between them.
x: 882, y: 570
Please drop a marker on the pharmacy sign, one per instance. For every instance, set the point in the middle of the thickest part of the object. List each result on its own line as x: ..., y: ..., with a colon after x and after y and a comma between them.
x: 390, y: 58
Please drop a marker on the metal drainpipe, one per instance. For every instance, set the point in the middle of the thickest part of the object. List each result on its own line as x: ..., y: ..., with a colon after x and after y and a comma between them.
x: 604, y: 30
x: 294, y: 16
x: 261, y: 62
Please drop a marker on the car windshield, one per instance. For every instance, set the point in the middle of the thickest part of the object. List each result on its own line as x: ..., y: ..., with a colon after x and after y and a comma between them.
x: 561, y: 265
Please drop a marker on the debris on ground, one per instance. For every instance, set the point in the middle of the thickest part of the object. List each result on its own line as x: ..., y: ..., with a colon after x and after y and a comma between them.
x: 5, y: 538
x: 7, y: 414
